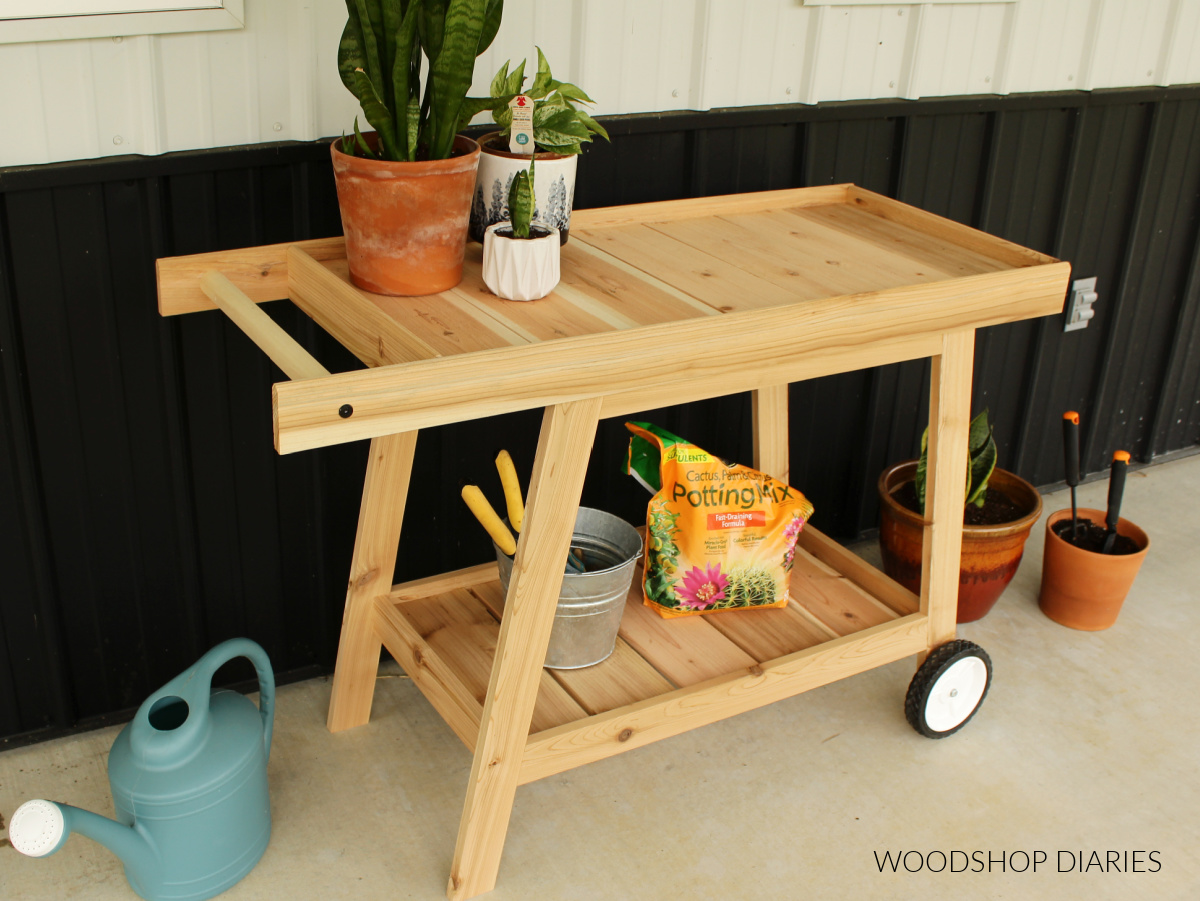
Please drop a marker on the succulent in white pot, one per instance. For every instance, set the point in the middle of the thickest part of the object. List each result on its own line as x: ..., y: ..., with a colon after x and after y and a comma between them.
x: 560, y: 129
x: 520, y: 256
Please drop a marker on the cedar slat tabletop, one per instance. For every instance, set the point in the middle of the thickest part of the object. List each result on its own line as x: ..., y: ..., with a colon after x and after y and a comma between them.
x: 658, y: 303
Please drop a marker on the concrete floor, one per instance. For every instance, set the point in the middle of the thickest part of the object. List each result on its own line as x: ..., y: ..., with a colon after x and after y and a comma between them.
x: 1086, y: 743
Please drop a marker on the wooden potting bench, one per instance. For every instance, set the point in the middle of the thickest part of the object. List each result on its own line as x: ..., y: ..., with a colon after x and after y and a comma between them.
x: 659, y: 303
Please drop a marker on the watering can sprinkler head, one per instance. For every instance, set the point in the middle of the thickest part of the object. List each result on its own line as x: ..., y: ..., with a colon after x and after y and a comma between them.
x: 38, y: 828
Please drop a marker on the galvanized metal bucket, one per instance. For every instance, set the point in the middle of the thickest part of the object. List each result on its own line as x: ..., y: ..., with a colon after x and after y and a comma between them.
x: 591, y: 603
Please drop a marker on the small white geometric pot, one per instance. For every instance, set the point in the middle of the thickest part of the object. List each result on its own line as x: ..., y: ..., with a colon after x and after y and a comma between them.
x: 520, y: 268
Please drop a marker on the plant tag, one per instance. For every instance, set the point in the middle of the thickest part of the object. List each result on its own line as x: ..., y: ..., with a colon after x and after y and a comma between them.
x: 520, y: 137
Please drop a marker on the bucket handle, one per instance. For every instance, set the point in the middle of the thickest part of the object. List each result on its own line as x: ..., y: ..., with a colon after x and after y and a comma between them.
x: 194, y: 687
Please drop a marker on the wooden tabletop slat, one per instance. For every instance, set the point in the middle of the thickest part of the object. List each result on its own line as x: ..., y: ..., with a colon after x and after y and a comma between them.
x: 637, y: 287
x: 864, y: 228
x: 726, y: 287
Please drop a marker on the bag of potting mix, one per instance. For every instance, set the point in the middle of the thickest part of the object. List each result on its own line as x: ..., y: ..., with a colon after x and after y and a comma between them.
x: 719, y: 536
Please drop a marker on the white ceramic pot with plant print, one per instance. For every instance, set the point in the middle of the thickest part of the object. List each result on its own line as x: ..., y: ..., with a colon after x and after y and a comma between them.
x: 520, y: 268
x: 554, y: 186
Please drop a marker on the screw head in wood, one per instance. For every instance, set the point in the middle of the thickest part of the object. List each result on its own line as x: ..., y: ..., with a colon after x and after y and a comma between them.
x: 345, y: 411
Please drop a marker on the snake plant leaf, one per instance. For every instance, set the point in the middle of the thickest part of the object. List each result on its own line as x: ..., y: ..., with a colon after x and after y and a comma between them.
x: 431, y: 24
x: 414, y: 126
x: 370, y: 18
x: 361, y: 142
x: 351, y: 52
x: 491, y: 24
x: 978, y: 473
x: 403, y: 81
x: 376, y: 112
x: 520, y: 201
x: 980, y: 432
x: 451, y: 72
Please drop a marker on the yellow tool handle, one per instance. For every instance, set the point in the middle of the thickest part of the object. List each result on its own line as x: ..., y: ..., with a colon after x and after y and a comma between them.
x: 488, y: 519
x: 512, y: 490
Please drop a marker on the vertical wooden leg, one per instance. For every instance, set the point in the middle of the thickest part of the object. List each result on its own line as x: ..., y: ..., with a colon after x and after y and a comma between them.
x: 770, y: 413
x: 564, y: 446
x: 385, y: 491
x: 949, y: 426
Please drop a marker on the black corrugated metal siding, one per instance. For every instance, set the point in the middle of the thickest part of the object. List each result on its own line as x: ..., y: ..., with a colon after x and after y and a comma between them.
x: 144, y: 515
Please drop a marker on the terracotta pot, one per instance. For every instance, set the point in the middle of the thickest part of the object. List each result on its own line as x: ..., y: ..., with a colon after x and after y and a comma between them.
x: 1082, y: 589
x: 553, y: 187
x: 990, y: 554
x: 406, y: 223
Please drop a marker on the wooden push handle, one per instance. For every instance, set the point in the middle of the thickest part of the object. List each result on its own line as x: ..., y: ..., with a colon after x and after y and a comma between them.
x: 282, y: 348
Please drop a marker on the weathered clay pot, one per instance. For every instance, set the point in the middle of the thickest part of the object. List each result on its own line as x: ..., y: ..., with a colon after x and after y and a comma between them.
x: 553, y: 187
x: 1082, y: 589
x: 990, y: 554
x: 406, y: 223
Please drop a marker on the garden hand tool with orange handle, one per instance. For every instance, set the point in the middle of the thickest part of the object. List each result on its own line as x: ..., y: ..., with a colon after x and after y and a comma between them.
x: 1071, y: 460
x: 1116, y: 489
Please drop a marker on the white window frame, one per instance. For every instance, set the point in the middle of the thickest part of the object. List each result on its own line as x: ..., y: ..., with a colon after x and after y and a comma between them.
x: 23, y: 21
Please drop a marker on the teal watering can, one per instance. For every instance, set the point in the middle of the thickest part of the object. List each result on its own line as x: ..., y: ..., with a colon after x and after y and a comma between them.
x: 189, y: 784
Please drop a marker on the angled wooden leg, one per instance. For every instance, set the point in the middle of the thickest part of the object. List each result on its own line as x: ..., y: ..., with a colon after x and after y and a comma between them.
x: 769, y: 407
x: 385, y: 491
x: 564, y: 446
x: 949, y: 426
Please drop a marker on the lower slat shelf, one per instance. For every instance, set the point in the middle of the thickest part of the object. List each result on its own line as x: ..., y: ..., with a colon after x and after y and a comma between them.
x: 666, y: 675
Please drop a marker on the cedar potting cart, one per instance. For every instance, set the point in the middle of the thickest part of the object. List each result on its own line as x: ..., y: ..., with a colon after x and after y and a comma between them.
x: 745, y: 293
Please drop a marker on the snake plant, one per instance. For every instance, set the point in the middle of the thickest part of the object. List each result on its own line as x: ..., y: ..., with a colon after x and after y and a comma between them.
x: 379, y: 59
x: 558, y: 124
x: 520, y: 201
x: 980, y: 464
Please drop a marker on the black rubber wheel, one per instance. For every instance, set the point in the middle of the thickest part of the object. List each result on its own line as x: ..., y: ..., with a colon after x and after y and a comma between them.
x: 948, y: 688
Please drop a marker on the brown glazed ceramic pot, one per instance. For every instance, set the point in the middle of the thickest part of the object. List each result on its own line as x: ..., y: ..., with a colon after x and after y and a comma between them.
x: 1082, y: 589
x: 990, y: 554
x: 406, y: 223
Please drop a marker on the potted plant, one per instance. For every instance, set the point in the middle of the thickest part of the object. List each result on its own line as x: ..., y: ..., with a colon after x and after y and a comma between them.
x: 999, y: 511
x: 1091, y: 557
x: 560, y: 129
x: 405, y: 190
x: 520, y: 258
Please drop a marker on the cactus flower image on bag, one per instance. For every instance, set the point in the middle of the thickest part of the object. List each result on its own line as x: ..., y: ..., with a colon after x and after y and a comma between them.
x: 702, y: 588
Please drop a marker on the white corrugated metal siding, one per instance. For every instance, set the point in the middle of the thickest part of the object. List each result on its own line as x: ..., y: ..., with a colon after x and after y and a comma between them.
x: 276, y: 78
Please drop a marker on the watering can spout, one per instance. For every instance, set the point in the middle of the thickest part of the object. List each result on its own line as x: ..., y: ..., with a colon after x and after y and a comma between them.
x: 39, y: 828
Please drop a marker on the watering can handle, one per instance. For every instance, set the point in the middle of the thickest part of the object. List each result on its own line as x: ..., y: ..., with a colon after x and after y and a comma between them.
x: 195, y: 688
x: 207, y: 666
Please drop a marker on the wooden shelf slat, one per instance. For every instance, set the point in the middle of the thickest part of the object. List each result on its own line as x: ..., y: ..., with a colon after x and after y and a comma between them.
x: 463, y: 633
x: 624, y: 678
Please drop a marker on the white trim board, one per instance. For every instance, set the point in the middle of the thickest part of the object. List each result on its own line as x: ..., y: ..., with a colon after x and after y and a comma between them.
x: 23, y: 21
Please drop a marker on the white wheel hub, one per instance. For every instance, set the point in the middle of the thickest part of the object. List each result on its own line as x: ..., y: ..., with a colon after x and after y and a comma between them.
x: 956, y: 693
